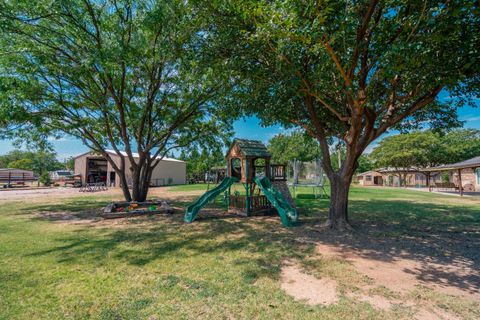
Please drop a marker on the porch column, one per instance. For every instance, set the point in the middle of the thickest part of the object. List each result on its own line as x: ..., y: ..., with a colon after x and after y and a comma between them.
x: 460, y: 182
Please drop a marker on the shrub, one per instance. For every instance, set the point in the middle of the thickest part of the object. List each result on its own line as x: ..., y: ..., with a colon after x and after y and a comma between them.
x: 445, y: 177
x: 45, y: 179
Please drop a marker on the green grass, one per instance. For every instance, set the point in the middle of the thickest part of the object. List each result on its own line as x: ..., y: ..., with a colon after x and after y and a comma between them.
x: 217, y: 267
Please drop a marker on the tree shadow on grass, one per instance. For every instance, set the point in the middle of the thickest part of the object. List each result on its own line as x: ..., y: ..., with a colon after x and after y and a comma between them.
x: 170, y: 239
x: 384, y: 231
x: 446, y: 237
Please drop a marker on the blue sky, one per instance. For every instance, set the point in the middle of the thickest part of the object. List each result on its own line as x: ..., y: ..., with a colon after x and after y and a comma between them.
x: 249, y: 128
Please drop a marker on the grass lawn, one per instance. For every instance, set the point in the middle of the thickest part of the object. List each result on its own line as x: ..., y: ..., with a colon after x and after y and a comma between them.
x: 56, y: 262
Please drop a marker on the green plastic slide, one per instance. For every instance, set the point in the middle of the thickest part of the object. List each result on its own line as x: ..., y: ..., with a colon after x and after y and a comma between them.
x: 287, y: 213
x: 194, y: 208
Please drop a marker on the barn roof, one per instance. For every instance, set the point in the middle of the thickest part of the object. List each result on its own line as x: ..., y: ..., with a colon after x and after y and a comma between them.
x: 251, y: 148
x: 123, y: 153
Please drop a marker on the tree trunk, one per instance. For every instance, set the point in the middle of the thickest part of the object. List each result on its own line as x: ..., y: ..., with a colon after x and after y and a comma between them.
x: 124, y: 185
x: 339, y: 181
x: 338, y: 212
x: 141, y: 177
x: 140, y: 190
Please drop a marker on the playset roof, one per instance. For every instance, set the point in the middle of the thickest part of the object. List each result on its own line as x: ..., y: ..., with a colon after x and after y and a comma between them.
x: 252, y: 148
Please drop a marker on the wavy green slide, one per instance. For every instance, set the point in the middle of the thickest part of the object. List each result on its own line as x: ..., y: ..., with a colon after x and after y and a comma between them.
x: 288, y: 214
x: 194, y: 208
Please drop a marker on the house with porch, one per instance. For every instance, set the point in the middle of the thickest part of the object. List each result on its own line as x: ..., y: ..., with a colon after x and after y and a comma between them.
x: 392, y: 177
x: 464, y: 175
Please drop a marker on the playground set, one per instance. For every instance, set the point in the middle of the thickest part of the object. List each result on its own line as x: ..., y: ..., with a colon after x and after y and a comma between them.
x: 248, y: 162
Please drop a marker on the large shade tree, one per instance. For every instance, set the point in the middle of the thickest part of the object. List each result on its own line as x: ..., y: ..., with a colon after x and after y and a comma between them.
x: 125, y: 75
x: 348, y: 70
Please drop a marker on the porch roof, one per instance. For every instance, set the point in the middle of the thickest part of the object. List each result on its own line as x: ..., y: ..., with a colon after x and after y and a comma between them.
x: 467, y: 164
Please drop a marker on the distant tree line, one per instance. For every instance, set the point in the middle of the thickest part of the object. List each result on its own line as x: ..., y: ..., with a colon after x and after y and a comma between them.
x: 36, y: 161
x: 425, y: 149
x: 200, y: 162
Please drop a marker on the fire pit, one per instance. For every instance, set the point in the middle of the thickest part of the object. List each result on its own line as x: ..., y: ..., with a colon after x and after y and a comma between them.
x: 130, y: 209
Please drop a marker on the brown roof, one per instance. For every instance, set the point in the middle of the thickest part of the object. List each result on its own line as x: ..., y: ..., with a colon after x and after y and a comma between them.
x: 470, y: 163
x: 369, y: 173
x: 251, y: 148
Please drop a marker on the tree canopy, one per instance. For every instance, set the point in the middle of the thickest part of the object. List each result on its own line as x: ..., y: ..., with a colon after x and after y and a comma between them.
x: 295, y: 145
x: 129, y: 75
x: 348, y: 70
x: 365, y: 163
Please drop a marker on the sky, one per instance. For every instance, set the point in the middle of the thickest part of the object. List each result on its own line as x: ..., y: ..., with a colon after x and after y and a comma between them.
x: 248, y: 128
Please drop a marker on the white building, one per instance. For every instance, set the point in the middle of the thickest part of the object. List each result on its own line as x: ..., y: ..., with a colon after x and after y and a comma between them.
x: 93, y: 167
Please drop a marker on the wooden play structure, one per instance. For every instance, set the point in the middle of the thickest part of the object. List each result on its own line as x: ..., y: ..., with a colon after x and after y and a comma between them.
x: 248, y: 163
x: 247, y: 159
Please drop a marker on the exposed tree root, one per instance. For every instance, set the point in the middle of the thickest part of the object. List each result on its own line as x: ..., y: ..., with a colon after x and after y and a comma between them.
x: 339, y: 225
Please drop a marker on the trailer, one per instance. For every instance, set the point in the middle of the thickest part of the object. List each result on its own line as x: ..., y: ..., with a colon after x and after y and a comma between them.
x: 10, y: 177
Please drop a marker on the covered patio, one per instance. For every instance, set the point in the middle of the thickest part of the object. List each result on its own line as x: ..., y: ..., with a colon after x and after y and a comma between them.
x: 464, y: 177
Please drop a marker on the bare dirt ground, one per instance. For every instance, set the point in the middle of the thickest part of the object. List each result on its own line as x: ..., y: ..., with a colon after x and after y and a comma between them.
x: 46, y: 194
x: 314, y: 291
x: 403, y: 274
x: 42, y: 193
x: 303, y: 286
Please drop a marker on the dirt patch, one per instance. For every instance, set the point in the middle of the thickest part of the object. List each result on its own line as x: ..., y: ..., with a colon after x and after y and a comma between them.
x: 305, y: 287
x: 378, y: 302
x: 45, y: 195
x: 57, y: 216
x: 434, y: 314
x: 83, y: 217
x: 403, y: 274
